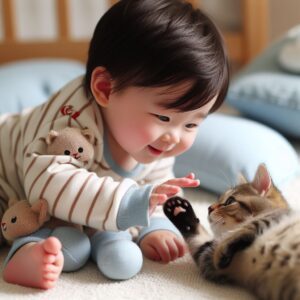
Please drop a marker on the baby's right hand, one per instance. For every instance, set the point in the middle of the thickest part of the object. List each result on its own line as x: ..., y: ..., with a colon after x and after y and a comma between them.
x: 170, y: 188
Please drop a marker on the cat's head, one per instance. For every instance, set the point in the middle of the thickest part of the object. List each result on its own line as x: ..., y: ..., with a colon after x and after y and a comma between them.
x: 248, y: 199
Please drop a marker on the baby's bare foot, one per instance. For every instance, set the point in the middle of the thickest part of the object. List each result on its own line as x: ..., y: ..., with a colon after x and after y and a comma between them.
x: 36, y: 265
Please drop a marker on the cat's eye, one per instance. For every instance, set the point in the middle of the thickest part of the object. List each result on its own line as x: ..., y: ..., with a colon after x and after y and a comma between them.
x: 229, y: 201
x: 14, y: 220
x: 80, y: 149
x: 67, y: 152
x: 163, y: 118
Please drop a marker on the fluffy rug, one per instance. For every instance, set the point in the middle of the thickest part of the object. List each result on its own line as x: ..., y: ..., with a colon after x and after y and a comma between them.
x: 177, y: 280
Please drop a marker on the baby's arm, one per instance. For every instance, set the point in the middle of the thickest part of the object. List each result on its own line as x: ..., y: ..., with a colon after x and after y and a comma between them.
x: 79, y: 196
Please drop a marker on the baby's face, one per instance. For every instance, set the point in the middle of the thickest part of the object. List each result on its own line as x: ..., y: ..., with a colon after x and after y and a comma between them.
x: 147, y: 131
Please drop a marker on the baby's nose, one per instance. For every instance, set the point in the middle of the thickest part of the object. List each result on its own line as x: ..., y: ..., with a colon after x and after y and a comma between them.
x: 171, y: 138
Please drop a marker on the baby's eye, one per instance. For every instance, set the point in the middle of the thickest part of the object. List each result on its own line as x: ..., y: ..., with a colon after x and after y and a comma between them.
x: 14, y: 220
x: 67, y: 152
x: 80, y: 149
x: 163, y: 118
x: 191, y: 125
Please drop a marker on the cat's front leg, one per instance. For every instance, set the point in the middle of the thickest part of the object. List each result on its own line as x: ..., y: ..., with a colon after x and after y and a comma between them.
x: 181, y: 214
x: 200, y: 242
x: 234, y: 242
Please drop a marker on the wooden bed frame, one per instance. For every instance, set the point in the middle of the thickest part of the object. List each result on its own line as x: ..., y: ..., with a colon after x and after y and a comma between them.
x: 242, y: 45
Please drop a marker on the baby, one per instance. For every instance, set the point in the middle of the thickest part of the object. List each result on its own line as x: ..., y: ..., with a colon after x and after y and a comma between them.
x: 155, y: 70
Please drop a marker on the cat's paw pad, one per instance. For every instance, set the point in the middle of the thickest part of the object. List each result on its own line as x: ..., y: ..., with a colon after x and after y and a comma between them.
x: 181, y: 214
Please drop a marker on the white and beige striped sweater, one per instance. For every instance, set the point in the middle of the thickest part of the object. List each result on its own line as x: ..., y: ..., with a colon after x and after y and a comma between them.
x: 89, y: 195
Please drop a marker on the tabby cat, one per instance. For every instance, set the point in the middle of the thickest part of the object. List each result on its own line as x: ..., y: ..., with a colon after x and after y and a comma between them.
x: 256, y: 241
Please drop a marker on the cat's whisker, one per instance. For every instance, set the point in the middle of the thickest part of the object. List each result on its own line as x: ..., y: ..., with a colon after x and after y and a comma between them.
x: 219, y: 220
x: 227, y: 179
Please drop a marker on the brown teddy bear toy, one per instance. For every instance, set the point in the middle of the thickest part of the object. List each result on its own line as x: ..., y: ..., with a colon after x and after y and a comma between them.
x: 21, y: 218
x: 71, y: 141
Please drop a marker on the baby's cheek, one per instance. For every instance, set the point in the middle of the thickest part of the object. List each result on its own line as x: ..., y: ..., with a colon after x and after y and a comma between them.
x: 186, y: 144
x: 146, y: 134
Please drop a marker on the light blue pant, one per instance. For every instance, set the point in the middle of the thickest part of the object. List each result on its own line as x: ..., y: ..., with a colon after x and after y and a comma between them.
x: 115, y: 254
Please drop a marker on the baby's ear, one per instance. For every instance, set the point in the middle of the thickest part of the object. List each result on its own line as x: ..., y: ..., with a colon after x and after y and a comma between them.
x: 89, y: 135
x: 262, y: 181
x: 52, y: 135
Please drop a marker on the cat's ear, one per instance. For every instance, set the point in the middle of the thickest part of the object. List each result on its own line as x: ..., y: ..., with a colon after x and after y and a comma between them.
x: 241, y: 179
x: 262, y: 181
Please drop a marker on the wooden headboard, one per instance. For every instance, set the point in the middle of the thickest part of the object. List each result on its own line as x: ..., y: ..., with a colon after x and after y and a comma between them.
x: 63, y: 46
x: 242, y: 45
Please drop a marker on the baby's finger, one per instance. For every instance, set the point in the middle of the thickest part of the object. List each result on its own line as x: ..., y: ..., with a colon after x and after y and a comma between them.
x: 157, y: 199
x: 190, y: 175
x: 167, y: 189
x: 184, y: 182
x: 180, y: 246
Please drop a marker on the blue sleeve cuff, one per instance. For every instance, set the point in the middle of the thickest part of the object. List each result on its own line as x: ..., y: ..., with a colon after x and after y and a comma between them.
x: 134, y: 207
x: 157, y: 224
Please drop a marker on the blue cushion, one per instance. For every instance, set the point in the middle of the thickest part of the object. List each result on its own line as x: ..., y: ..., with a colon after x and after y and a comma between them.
x: 227, y: 145
x: 271, y: 98
x: 264, y: 92
x: 28, y: 83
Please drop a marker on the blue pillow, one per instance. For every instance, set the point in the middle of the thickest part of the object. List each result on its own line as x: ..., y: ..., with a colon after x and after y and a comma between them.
x: 28, y: 83
x: 228, y: 145
x: 271, y: 98
x: 263, y: 91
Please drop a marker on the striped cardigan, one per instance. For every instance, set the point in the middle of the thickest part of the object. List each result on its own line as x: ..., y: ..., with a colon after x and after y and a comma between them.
x: 88, y: 195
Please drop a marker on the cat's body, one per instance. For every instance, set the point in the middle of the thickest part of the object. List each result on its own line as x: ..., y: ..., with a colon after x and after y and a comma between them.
x: 256, y: 241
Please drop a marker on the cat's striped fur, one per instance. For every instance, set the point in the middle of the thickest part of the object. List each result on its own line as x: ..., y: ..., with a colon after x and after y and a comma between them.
x: 256, y: 241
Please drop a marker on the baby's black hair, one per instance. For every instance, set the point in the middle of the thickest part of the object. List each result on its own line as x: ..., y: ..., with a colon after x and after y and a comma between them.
x: 157, y: 43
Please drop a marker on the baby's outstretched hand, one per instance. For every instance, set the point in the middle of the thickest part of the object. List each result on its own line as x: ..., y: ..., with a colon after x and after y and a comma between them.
x: 170, y: 188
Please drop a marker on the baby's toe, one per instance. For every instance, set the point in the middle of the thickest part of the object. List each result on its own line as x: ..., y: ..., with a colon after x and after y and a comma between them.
x: 50, y: 276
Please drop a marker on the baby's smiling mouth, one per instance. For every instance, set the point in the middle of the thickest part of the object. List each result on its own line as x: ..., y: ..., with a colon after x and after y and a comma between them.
x: 154, y: 151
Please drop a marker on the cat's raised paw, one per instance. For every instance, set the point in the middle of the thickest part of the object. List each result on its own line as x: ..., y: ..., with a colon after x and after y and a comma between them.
x: 182, y: 215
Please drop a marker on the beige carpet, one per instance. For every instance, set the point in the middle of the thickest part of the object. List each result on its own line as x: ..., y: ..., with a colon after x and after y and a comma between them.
x: 178, y: 280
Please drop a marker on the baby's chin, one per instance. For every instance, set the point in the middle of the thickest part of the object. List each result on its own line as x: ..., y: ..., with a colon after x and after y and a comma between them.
x: 147, y: 159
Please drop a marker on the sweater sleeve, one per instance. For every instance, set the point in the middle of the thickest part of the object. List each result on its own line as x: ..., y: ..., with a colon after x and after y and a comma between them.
x: 76, y: 195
